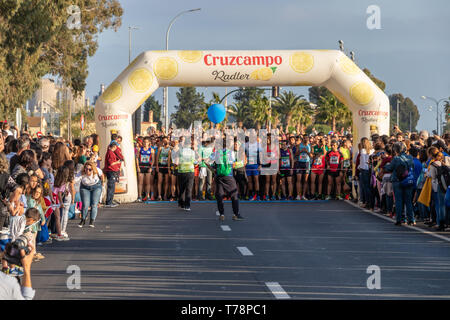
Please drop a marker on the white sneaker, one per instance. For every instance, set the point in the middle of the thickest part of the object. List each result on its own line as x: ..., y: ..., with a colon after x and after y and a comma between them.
x: 298, y: 198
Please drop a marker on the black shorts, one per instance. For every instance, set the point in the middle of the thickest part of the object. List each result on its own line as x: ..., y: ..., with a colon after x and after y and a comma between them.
x: 144, y: 169
x: 332, y: 174
x: 163, y: 170
x: 285, y: 173
x: 302, y: 167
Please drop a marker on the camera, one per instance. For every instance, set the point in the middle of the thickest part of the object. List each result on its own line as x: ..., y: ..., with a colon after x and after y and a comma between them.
x: 12, y: 250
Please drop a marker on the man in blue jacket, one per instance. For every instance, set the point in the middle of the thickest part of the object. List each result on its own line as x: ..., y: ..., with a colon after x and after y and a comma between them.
x: 403, y: 193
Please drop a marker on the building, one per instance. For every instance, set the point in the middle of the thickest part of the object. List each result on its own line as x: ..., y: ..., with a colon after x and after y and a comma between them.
x: 34, y: 125
x: 51, y: 96
x: 146, y: 126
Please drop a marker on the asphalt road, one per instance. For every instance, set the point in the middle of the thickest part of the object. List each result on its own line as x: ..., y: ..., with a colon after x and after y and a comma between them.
x: 305, y: 250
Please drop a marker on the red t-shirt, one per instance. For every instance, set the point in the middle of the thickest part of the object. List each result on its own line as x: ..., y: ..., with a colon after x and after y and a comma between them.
x: 334, y: 160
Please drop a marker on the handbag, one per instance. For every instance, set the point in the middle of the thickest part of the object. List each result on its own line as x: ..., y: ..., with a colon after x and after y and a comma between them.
x: 425, y: 194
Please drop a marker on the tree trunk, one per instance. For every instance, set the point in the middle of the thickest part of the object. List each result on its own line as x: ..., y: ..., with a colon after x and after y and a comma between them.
x: 288, y: 121
x: 334, y: 124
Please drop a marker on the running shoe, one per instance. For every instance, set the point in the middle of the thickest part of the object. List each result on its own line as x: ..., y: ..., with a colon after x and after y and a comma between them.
x: 328, y: 198
x: 264, y: 198
x: 274, y: 198
x: 339, y: 197
x: 187, y: 209
x: 237, y: 217
x: 222, y: 217
x: 283, y: 198
x: 347, y: 197
x: 139, y: 199
x: 258, y: 198
x: 298, y: 198
x: 253, y: 198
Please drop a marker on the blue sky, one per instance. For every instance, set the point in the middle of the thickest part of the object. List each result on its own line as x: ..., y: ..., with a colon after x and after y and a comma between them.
x: 411, y: 51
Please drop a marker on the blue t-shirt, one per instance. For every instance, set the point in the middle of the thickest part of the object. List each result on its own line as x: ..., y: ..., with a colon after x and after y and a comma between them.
x: 417, y: 168
x: 304, y: 156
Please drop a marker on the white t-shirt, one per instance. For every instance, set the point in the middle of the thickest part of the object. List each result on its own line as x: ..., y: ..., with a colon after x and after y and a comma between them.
x: 364, y: 159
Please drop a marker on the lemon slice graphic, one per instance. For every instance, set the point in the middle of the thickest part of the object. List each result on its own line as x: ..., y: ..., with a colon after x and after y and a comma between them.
x: 361, y: 93
x: 140, y: 80
x: 112, y: 93
x: 301, y: 62
x: 348, y: 66
x: 265, y: 74
x: 165, y: 68
x: 190, y: 56
x: 254, y: 75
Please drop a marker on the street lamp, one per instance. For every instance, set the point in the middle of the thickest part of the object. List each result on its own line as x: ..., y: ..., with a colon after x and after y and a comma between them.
x: 437, y: 109
x: 137, y: 113
x: 165, y: 89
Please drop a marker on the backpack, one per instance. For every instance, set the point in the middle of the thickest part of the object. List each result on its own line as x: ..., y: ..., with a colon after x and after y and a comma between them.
x: 405, y: 175
x: 224, y: 169
x: 443, y: 177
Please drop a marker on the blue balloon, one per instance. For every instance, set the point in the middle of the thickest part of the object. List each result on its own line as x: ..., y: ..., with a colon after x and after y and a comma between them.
x: 216, y: 113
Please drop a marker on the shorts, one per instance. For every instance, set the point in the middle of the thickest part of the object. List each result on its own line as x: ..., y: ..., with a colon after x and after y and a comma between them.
x: 196, y: 171
x: 144, y: 169
x: 285, y: 173
x: 252, y: 170
x: 302, y: 168
x: 318, y: 171
x: 333, y: 174
x: 163, y: 170
x: 267, y: 171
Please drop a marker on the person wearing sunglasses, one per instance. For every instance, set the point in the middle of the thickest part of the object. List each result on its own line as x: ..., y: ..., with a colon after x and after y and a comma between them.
x: 90, y: 191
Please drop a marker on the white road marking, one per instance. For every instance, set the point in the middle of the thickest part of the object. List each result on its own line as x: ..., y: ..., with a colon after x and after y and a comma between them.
x: 244, y: 251
x: 277, y: 290
x: 391, y: 220
x: 225, y: 228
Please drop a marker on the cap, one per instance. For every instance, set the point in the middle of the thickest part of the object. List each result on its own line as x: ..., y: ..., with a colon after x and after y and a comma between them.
x: 113, y: 143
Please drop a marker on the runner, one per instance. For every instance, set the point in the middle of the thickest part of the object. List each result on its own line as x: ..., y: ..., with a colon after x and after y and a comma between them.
x: 253, y: 167
x: 144, y: 164
x: 303, y: 156
x: 163, y: 169
x: 239, y: 172
x: 286, y: 166
x: 334, y: 161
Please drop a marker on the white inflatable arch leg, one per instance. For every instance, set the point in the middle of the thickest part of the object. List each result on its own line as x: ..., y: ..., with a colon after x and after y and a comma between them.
x: 152, y: 69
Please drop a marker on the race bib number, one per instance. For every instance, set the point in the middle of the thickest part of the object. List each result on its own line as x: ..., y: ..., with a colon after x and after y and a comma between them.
x: 163, y: 160
x: 334, y: 160
x: 304, y: 157
x: 318, y: 162
x: 346, y: 163
x: 145, y: 158
x: 285, y: 163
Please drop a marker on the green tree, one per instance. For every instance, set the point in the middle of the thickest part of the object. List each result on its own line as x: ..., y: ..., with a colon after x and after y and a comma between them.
x: 377, y: 81
x: 330, y: 109
x: 239, y: 111
x: 407, y: 109
x: 151, y: 104
x: 260, y: 111
x: 246, y: 96
x: 301, y: 115
x: 36, y: 40
x: 288, y: 103
x: 189, y: 108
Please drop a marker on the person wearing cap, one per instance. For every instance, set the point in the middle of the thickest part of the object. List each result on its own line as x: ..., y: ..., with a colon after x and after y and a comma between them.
x: 112, y: 169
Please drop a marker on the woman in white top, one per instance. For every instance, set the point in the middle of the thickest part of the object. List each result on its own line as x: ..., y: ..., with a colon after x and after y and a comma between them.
x: 364, y: 174
x: 90, y: 191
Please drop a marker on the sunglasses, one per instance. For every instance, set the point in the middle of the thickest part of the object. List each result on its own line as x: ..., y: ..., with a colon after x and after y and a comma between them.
x: 88, y: 169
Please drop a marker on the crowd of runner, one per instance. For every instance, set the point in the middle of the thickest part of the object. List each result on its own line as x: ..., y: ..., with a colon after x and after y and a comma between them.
x: 308, y: 167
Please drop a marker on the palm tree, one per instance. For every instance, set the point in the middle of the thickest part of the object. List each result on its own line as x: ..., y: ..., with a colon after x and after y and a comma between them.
x: 301, y: 115
x: 286, y: 103
x: 260, y: 111
x: 239, y: 111
x: 330, y: 109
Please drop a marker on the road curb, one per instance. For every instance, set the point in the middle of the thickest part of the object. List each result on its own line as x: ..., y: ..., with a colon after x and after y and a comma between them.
x: 441, y: 237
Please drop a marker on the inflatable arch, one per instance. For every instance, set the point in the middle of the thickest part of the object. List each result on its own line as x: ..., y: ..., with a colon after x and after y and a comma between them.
x: 152, y: 69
